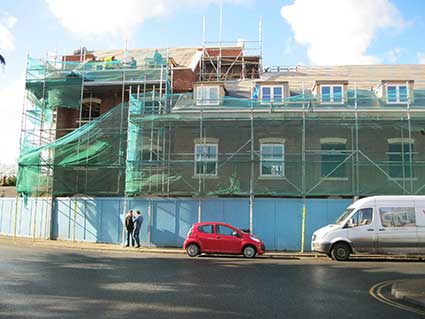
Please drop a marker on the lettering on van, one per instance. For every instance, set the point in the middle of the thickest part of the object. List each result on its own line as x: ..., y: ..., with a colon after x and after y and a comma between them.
x: 398, y: 216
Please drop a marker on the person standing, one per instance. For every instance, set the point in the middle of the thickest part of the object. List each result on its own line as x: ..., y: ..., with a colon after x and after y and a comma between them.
x: 129, y: 225
x: 138, y: 221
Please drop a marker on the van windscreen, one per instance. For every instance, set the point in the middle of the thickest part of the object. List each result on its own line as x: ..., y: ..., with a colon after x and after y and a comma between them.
x: 344, y: 215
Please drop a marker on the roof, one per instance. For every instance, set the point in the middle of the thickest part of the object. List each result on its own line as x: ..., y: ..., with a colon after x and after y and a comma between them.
x: 360, y: 76
x: 182, y: 56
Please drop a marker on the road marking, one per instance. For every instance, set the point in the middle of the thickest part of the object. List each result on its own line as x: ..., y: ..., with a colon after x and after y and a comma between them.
x: 376, y: 292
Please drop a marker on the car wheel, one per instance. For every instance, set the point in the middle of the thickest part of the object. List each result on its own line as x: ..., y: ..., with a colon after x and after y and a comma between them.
x: 340, y: 251
x: 192, y: 250
x: 249, y: 252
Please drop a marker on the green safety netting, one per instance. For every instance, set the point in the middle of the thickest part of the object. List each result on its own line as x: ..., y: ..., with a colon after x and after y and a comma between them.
x: 147, y: 146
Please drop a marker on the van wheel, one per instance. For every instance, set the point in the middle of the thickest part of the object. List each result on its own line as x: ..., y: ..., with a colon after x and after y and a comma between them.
x: 340, y: 251
x: 192, y: 250
x: 249, y: 252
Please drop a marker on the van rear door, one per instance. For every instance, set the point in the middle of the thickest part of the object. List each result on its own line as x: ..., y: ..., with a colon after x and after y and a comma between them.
x: 397, y: 229
x: 420, y: 226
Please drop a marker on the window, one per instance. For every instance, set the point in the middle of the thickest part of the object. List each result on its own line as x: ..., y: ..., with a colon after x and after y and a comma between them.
x: 272, y: 94
x: 207, y: 229
x: 396, y: 94
x: 272, y: 158
x: 224, y: 230
x: 208, y: 95
x: 332, y: 158
x: 331, y: 94
x: 361, y: 217
x: 397, y: 216
x: 206, y: 159
x: 399, y: 159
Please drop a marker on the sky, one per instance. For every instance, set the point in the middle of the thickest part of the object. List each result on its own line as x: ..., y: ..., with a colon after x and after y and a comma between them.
x: 308, y: 32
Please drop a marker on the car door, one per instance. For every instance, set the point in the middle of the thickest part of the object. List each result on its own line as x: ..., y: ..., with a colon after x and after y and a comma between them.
x: 361, y: 230
x: 227, y: 242
x: 207, y: 238
x: 397, y: 229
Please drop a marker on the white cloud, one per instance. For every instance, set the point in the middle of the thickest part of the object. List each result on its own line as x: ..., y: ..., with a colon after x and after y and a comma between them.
x: 421, y: 57
x: 105, y: 18
x: 11, y: 99
x: 394, y: 55
x: 7, y: 41
x: 340, y: 31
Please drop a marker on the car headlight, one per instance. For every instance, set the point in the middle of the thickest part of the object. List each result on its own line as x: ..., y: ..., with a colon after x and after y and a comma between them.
x: 255, y: 239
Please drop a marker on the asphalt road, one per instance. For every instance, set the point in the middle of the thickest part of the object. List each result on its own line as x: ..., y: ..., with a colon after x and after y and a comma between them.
x: 52, y: 283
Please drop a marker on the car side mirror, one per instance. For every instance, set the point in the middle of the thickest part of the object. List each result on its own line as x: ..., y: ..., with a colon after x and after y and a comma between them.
x: 236, y: 234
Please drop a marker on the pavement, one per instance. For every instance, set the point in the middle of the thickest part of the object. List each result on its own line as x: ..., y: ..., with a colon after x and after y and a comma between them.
x: 144, y: 249
x: 411, y: 291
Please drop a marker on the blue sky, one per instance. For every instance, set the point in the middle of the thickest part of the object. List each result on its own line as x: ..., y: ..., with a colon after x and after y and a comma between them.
x: 294, y: 32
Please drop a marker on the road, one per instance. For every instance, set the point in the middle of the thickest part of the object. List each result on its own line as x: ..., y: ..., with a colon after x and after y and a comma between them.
x: 38, y: 282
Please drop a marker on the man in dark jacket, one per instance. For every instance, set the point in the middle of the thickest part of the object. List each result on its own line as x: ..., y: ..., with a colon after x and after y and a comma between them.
x: 138, y: 221
x: 129, y: 225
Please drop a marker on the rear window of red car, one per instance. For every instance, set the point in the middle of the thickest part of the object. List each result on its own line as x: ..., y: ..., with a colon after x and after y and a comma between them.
x: 208, y: 229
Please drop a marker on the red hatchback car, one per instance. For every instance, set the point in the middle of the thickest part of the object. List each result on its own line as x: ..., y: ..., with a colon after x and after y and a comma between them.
x: 221, y: 238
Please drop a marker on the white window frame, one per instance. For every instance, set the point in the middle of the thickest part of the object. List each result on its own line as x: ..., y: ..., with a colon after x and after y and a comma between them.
x: 207, y: 100
x: 272, y: 160
x: 206, y: 160
x: 331, y: 86
x: 397, y: 94
x: 271, y: 87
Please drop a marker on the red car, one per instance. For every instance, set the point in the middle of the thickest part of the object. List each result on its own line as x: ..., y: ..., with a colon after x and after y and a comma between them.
x: 221, y: 238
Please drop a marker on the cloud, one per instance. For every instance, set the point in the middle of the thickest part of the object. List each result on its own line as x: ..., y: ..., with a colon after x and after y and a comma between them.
x: 394, y: 55
x: 11, y: 99
x: 421, y: 57
x: 7, y: 40
x: 105, y: 18
x: 340, y: 31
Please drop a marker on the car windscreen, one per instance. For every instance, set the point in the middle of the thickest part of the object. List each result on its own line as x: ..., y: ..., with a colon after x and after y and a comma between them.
x: 344, y: 216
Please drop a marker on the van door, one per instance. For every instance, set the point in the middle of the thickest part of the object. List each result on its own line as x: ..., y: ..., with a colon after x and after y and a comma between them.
x: 361, y: 231
x: 397, y: 229
x: 420, y: 227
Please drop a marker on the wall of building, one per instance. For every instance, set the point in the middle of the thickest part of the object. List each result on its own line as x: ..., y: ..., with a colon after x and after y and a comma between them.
x: 277, y: 221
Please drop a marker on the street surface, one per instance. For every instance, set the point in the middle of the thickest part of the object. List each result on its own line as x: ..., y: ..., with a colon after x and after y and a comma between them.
x: 38, y: 282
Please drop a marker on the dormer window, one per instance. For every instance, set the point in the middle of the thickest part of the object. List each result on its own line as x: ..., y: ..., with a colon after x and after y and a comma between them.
x: 397, y: 94
x: 331, y: 94
x: 271, y: 93
x: 208, y: 95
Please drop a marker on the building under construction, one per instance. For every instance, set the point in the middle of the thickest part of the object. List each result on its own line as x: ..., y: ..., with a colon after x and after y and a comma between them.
x: 208, y: 133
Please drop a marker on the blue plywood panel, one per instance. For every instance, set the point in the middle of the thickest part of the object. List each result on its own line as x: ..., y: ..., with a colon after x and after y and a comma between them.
x: 24, y: 220
x: 212, y: 210
x: 288, y: 224
x: 7, y: 212
x: 92, y: 220
x: 321, y: 212
x: 188, y: 215
x: 264, y: 221
x: 164, y: 223
x: 111, y: 222
x: 171, y: 219
x: 62, y: 218
x: 236, y: 212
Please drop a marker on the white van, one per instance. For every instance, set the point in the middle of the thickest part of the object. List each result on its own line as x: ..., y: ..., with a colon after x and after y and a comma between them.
x: 375, y: 225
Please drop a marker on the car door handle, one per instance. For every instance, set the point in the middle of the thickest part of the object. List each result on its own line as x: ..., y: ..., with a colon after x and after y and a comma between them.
x: 370, y: 229
x: 382, y: 229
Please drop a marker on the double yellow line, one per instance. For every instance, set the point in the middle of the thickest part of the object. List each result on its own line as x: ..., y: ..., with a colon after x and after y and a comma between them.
x: 376, y: 292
